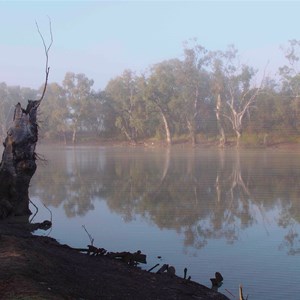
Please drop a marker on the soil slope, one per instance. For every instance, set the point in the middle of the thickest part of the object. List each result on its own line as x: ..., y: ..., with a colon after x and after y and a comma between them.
x: 35, y: 267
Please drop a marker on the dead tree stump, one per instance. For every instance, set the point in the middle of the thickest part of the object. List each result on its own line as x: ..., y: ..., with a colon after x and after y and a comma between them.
x: 18, y: 161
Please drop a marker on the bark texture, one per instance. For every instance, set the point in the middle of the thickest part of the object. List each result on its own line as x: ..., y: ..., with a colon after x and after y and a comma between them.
x: 18, y: 161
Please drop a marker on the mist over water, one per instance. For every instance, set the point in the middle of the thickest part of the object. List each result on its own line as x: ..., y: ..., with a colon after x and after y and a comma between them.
x: 205, y: 209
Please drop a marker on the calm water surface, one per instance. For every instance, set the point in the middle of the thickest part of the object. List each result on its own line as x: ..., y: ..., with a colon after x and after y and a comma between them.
x: 207, y: 210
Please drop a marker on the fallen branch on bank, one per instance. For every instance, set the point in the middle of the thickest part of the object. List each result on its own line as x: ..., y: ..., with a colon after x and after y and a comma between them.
x: 217, y: 281
x: 132, y: 259
x: 151, y: 269
x: 45, y: 225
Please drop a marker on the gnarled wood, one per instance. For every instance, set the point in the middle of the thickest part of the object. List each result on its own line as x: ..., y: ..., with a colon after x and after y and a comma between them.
x: 18, y: 161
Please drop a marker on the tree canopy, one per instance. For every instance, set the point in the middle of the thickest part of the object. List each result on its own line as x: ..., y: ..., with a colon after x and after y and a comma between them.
x: 206, y: 94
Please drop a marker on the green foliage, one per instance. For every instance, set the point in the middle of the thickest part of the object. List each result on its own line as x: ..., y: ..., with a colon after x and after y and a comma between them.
x: 55, y: 112
x: 162, y: 95
x: 126, y: 94
x: 208, y: 93
x: 254, y: 140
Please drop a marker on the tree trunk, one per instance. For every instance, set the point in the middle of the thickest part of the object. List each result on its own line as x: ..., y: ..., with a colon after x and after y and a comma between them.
x: 74, y: 135
x: 131, y: 139
x: 18, y: 161
x: 65, y: 137
x: 222, y: 140
x: 238, y: 136
x: 167, y: 127
x: 192, y: 132
x: 128, y: 131
x: 3, y: 131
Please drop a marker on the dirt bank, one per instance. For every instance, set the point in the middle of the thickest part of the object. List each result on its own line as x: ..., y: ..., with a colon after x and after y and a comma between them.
x: 35, y: 267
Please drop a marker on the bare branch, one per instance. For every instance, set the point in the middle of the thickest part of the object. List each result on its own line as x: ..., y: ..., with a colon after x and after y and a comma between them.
x: 49, y: 211
x: 90, y: 237
x: 228, y: 117
x: 241, y: 295
x: 46, y: 49
x: 37, y: 210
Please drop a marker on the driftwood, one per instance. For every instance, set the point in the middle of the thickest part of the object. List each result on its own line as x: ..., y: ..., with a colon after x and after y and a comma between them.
x: 151, y: 269
x: 163, y: 269
x: 128, y: 257
x: 184, y: 273
x: 170, y: 270
x: 45, y: 225
x: 217, y: 281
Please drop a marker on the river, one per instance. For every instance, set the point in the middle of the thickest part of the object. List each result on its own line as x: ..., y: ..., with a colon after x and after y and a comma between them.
x: 208, y: 210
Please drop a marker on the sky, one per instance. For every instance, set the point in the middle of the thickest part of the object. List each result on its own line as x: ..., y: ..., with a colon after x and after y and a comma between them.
x: 103, y: 38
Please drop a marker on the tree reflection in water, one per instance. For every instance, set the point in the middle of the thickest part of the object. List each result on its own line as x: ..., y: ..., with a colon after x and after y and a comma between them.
x: 203, y: 194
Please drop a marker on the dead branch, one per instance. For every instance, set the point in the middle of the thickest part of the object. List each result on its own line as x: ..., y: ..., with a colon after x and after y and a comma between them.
x: 184, y: 273
x: 129, y: 258
x: 36, y: 211
x: 217, y: 281
x: 90, y: 237
x: 151, y: 269
x: 46, y: 49
x: 241, y: 296
x: 45, y: 225
x: 91, y: 250
x: 163, y: 269
x: 49, y: 212
x: 132, y: 259
x: 230, y: 293
x: 171, y: 271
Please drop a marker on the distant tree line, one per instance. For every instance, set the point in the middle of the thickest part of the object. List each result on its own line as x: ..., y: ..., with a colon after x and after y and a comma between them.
x: 206, y: 94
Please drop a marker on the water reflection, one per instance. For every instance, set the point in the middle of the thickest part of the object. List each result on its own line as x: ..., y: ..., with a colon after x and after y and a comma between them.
x: 202, y: 194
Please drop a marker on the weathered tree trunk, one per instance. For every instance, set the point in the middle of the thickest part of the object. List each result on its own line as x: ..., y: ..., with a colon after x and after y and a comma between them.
x: 238, y: 137
x: 222, y: 140
x: 18, y: 161
x: 192, y: 132
x: 74, y: 136
x: 129, y: 136
x: 167, y: 127
x: 65, y: 137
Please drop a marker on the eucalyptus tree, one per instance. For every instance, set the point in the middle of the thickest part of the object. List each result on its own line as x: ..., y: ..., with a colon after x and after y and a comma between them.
x: 78, y: 91
x: 268, y: 116
x: 193, y: 80
x: 55, y: 113
x: 102, y: 118
x: 126, y: 95
x: 162, y: 93
x: 217, y: 85
x: 240, y: 92
x: 290, y: 78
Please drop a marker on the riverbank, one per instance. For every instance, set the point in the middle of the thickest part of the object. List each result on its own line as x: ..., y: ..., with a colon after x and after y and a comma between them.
x: 37, y: 267
x: 248, y: 142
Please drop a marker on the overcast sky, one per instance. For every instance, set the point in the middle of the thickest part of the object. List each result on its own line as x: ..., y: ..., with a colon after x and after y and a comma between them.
x: 102, y: 38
